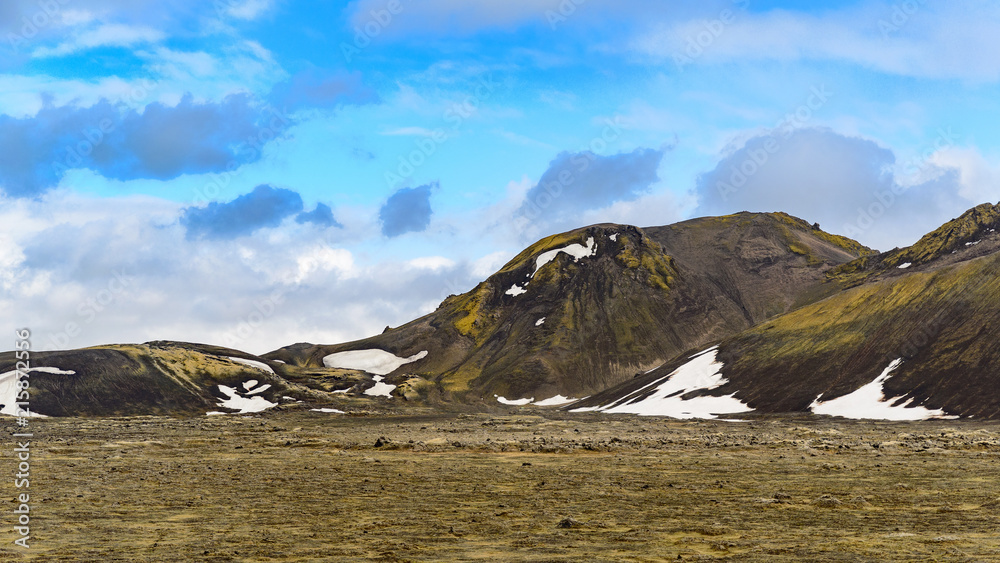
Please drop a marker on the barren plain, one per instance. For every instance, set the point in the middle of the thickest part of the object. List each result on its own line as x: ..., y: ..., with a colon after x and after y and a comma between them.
x: 519, y: 485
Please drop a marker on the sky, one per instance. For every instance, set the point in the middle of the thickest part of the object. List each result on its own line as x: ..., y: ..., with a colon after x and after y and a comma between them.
x: 255, y: 173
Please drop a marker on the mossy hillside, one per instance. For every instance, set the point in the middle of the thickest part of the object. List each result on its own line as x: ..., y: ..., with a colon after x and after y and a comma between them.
x: 951, y: 238
x: 848, y: 245
x: 641, y: 298
x: 944, y: 325
x: 970, y: 226
x: 526, y: 259
x: 649, y: 261
x: 155, y: 378
x: 592, y: 306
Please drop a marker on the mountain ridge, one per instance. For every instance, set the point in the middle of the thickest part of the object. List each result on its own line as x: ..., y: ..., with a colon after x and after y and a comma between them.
x: 578, y: 311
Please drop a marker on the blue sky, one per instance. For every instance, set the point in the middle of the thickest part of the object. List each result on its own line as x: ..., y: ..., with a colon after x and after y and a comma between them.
x: 260, y: 172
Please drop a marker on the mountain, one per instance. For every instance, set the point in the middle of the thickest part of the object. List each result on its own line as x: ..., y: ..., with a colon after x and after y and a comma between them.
x: 578, y: 312
x: 165, y: 378
x: 911, y: 334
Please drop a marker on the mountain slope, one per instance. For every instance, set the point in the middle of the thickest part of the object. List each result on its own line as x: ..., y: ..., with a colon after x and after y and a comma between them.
x: 166, y: 378
x: 917, y: 327
x: 577, y: 312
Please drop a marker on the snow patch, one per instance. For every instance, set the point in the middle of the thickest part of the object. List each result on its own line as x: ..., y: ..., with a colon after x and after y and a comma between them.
x: 332, y: 411
x: 556, y: 401
x: 380, y: 389
x: 614, y: 237
x: 278, y: 361
x: 575, y: 250
x: 244, y: 402
x: 973, y: 243
x: 540, y: 321
x: 516, y: 290
x: 376, y: 362
x: 514, y: 402
x: 9, y: 390
x: 253, y: 363
x: 701, y: 372
x: 259, y: 390
x: 904, y: 265
x: 870, y: 402
x: 55, y: 371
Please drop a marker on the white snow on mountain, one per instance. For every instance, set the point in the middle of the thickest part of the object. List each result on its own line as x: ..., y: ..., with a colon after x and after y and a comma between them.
x: 576, y: 250
x: 380, y: 389
x: 516, y: 290
x: 702, y: 372
x: 514, y: 402
x: 376, y: 362
x: 253, y: 363
x: 243, y: 402
x: 870, y: 402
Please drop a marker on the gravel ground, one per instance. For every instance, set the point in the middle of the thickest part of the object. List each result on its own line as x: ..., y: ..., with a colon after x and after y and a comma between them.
x: 526, y: 485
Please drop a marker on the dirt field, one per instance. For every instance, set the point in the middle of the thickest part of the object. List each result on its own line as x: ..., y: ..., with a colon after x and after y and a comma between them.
x: 307, y: 486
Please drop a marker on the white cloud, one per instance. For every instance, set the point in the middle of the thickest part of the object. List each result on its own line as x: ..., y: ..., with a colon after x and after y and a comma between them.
x: 488, y: 265
x: 979, y: 178
x: 249, y: 9
x: 432, y: 263
x: 106, y: 35
x: 173, y: 64
x: 938, y: 40
x: 847, y: 184
x: 121, y: 270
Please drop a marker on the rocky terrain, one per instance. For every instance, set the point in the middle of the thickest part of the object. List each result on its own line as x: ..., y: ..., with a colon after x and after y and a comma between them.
x: 513, y: 485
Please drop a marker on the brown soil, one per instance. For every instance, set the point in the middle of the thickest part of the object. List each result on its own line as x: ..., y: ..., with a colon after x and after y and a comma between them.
x: 528, y: 486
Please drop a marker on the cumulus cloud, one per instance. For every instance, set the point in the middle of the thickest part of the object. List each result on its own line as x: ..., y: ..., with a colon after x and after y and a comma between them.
x: 321, y: 216
x: 576, y: 183
x: 845, y: 183
x: 266, y: 206
x: 407, y: 211
x: 162, y: 142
